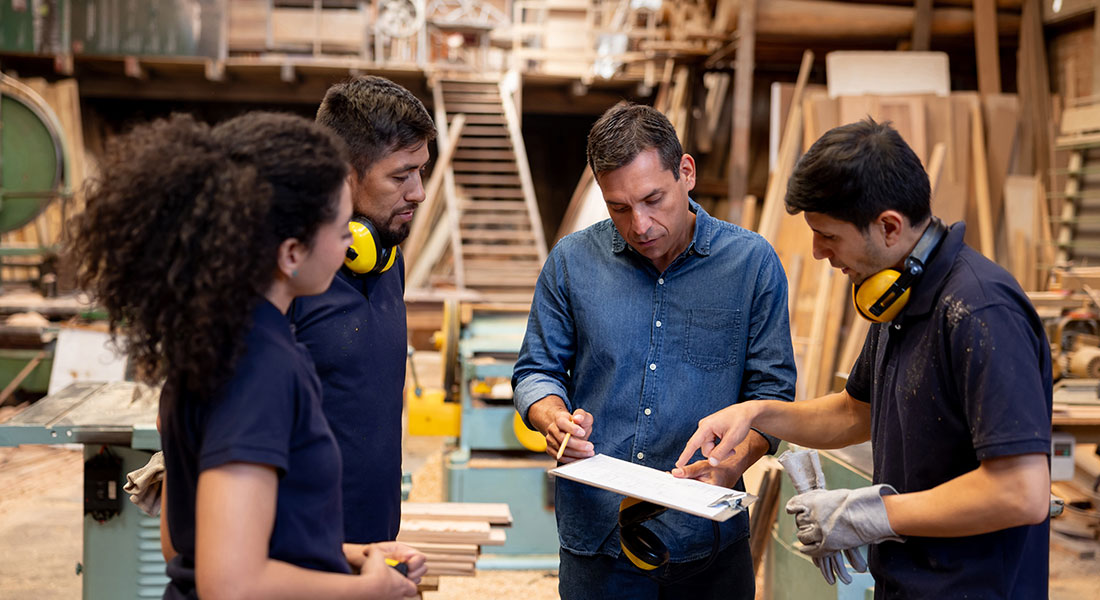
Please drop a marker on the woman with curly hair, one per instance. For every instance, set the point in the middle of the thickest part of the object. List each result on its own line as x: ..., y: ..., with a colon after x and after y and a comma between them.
x: 195, y: 241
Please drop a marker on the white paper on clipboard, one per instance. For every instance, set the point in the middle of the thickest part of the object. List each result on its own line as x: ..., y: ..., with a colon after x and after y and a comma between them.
x: 659, y: 487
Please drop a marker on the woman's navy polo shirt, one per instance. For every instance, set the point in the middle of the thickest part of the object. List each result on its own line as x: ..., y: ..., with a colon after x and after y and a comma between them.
x: 269, y: 413
x: 960, y: 376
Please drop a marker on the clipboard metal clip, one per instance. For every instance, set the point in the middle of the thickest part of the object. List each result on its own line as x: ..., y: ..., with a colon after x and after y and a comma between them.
x: 730, y: 501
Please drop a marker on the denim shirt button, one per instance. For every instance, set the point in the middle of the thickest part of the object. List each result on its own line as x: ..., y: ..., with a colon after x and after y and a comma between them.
x: 648, y: 412
x: 652, y: 366
x: 641, y: 455
x: 658, y: 323
x: 661, y: 281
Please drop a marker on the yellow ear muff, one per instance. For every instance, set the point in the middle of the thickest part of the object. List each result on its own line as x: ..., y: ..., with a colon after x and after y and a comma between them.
x: 640, y: 545
x: 365, y: 255
x: 528, y: 438
x: 875, y: 289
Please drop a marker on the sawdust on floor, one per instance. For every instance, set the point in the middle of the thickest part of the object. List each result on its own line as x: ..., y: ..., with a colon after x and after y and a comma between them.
x: 41, y: 533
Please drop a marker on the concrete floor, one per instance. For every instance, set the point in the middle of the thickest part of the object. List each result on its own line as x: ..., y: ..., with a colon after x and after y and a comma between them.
x: 40, y: 534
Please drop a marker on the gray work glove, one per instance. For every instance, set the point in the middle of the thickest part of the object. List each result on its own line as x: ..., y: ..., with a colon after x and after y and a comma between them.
x: 804, y: 469
x: 834, y: 520
x: 144, y: 485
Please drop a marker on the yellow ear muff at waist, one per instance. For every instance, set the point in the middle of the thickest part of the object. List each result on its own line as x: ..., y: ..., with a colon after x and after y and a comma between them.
x: 875, y: 291
x: 640, y: 545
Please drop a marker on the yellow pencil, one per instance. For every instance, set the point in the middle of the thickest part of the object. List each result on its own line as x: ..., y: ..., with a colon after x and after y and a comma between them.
x: 561, y: 449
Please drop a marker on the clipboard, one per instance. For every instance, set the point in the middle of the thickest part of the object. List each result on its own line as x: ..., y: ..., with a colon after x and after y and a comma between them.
x: 659, y: 487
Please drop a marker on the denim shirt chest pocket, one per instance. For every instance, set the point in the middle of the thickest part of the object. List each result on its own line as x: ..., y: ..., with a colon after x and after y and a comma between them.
x: 712, y: 337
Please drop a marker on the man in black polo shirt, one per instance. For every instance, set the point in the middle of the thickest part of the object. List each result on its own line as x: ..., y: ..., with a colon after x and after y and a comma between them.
x: 356, y: 330
x: 954, y: 391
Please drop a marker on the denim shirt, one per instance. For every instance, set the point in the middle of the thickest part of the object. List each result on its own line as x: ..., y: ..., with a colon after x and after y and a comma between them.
x: 648, y: 354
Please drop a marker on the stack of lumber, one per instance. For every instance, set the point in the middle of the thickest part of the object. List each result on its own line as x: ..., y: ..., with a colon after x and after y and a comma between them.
x: 974, y: 179
x: 451, y: 534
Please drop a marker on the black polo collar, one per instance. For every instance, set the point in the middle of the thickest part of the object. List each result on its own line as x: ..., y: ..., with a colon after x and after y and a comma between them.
x: 922, y: 296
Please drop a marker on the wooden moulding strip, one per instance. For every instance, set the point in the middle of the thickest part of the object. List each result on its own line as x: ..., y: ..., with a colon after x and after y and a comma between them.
x: 981, y: 181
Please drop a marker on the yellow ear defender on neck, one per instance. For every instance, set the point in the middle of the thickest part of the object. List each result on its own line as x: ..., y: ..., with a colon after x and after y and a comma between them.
x: 639, y: 544
x: 880, y: 297
x: 366, y: 255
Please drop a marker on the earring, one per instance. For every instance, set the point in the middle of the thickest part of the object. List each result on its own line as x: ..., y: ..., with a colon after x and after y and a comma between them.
x: 294, y: 273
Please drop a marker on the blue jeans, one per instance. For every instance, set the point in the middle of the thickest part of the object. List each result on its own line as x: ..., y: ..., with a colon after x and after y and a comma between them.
x: 602, y: 577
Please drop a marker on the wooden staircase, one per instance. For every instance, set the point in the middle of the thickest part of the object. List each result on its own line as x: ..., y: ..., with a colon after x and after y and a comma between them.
x: 498, y: 248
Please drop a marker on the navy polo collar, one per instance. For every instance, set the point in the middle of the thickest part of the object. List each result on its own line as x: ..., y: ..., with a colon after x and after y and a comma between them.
x: 267, y: 316
x: 922, y: 296
x: 700, y: 240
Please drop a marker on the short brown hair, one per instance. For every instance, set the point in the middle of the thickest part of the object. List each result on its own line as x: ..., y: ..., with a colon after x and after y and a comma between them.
x: 374, y: 116
x: 627, y: 130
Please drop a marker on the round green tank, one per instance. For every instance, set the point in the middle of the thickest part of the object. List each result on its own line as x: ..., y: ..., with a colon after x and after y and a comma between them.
x: 32, y: 156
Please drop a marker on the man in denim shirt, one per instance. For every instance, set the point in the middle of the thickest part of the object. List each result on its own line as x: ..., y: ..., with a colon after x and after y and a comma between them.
x: 640, y: 326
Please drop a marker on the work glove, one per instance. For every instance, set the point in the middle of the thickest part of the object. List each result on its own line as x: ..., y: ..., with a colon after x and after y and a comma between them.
x: 804, y: 469
x: 836, y: 520
x: 144, y: 485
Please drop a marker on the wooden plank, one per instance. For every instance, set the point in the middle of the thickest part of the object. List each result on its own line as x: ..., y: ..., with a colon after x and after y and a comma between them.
x: 1004, y: 111
x: 489, y: 142
x: 473, y: 97
x: 495, y: 513
x: 496, y: 219
x: 452, y: 549
x: 487, y: 131
x: 811, y: 364
x: 483, y: 166
x: 474, y: 108
x: 1021, y: 215
x: 883, y: 73
x: 981, y: 182
x: 485, y: 155
x: 838, y: 304
x: 487, y: 179
x: 494, y: 234
x: 922, y: 25
x: 477, y: 193
x: 500, y: 249
x: 742, y: 108
x: 777, y: 183
x: 986, y: 47
x: 1080, y: 119
x: 485, y: 120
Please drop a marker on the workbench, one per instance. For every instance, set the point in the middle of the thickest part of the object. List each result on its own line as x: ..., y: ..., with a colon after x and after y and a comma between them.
x: 121, y: 555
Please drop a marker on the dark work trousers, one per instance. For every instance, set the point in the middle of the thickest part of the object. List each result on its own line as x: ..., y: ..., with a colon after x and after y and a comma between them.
x: 602, y: 577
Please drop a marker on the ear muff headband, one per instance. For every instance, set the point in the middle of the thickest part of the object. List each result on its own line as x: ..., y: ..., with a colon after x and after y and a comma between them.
x: 365, y: 255
x: 880, y: 297
x: 640, y: 545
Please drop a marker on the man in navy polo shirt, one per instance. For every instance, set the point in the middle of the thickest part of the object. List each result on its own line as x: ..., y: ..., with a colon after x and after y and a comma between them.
x: 356, y: 330
x: 954, y: 391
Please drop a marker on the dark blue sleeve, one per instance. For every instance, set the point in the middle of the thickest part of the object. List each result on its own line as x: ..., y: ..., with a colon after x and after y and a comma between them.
x: 254, y: 419
x: 996, y: 357
x: 549, y: 345
x: 859, y: 379
x: 769, y: 360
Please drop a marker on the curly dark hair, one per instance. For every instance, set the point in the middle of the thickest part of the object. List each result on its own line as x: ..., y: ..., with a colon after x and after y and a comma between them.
x: 373, y: 116
x: 179, y: 238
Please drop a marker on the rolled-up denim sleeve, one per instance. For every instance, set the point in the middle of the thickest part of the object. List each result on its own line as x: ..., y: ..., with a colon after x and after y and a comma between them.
x: 549, y: 346
x: 769, y: 361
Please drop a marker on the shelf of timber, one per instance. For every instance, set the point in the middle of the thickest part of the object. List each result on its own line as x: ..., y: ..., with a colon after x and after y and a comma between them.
x: 500, y: 242
x: 1077, y: 204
